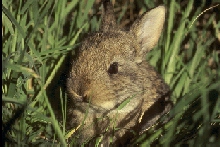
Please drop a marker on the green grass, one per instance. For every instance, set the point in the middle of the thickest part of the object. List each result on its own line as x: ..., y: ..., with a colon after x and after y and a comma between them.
x: 35, y: 45
x: 38, y: 37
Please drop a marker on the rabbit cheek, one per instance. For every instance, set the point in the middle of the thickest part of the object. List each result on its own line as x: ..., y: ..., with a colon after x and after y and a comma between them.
x: 99, y: 95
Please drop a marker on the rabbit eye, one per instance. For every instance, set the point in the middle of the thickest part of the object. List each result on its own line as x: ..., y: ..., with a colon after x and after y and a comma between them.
x: 113, y: 69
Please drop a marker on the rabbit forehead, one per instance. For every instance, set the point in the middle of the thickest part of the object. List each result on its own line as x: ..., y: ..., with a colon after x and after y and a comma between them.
x: 99, y: 50
x: 111, y: 44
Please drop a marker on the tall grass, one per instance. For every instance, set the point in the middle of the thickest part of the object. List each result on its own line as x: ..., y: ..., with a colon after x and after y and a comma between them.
x: 38, y: 37
x: 189, y: 63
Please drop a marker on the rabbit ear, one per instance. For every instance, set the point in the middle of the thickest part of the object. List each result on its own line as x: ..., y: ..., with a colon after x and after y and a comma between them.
x: 108, y: 18
x: 148, y: 28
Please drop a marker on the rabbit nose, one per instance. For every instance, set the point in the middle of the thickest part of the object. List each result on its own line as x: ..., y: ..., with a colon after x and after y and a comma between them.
x: 86, y: 96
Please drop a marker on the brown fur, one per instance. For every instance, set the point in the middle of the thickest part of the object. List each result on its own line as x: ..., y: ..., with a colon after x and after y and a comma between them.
x: 110, y: 68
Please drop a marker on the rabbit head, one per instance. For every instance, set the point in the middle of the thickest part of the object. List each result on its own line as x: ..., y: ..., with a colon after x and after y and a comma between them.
x: 110, y: 77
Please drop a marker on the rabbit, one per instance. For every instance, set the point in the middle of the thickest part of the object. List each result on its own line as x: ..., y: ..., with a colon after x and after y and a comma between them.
x: 114, y: 91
